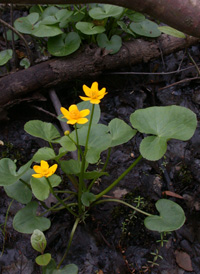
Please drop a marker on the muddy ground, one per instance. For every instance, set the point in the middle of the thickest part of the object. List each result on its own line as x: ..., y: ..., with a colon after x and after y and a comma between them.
x: 113, y: 239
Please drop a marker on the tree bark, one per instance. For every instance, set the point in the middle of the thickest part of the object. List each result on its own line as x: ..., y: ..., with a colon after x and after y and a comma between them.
x: 183, y: 15
x: 90, y: 61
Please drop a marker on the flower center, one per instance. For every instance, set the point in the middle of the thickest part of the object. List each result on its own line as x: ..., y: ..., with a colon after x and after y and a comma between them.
x: 94, y: 94
x: 75, y: 114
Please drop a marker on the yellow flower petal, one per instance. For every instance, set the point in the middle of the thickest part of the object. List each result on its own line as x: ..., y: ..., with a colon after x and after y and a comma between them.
x: 84, y: 112
x: 65, y: 112
x: 102, y: 91
x: 82, y: 121
x: 37, y: 169
x: 72, y: 122
x: 37, y: 175
x: 94, y: 101
x: 73, y: 108
x: 84, y: 98
x: 87, y: 90
x: 52, y: 169
x: 44, y: 165
x: 95, y: 86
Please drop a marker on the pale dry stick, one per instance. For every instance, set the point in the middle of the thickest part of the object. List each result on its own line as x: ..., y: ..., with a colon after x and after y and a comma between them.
x: 57, y: 105
x: 29, y: 54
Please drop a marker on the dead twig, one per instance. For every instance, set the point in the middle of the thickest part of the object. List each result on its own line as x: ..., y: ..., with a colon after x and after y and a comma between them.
x: 180, y: 82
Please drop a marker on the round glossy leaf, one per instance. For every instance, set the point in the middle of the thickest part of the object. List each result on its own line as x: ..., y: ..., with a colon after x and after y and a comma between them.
x: 87, y: 198
x: 171, y: 217
x: 135, y: 16
x: 120, y: 132
x: 113, y: 45
x: 89, y: 28
x: 170, y: 122
x: 43, y: 259
x: 5, y: 56
x: 105, y: 11
x: 8, y: 173
x: 145, y: 28
x: 44, y: 153
x: 25, y: 63
x: 49, y: 11
x: 49, y: 20
x: 26, y: 220
x: 64, y: 45
x: 67, y: 144
x: 20, y: 191
x: 171, y: 31
x: 71, y: 166
x: 26, y: 24
x: 46, y: 31
x: 63, y: 14
x: 38, y: 240
x: 43, y: 130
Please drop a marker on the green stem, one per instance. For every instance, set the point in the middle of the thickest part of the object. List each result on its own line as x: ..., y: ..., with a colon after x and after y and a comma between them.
x: 107, y: 159
x: 124, y: 203
x: 25, y: 183
x: 41, y: 9
x: 81, y: 181
x: 119, y: 178
x: 69, y: 243
x: 77, y: 141
x: 53, y: 208
x: 61, y: 201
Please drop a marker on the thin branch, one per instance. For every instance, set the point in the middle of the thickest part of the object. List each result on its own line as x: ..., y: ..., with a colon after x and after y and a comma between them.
x: 179, y: 82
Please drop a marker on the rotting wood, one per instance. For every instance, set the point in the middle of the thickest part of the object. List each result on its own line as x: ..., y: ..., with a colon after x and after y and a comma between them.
x: 183, y: 15
x: 88, y: 62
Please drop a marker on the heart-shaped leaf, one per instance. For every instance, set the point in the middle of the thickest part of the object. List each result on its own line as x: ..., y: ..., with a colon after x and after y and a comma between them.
x: 71, y: 166
x: 63, y: 14
x: 64, y: 44
x: 87, y: 198
x: 25, y: 63
x: 113, y: 45
x: 171, y: 217
x: 145, y: 28
x: 5, y: 56
x: 87, y: 105
x: 26, y: 220
x: 170, y: 122
x: 120, y: 132
x: 43, y: 130
x: 40, y: 186
x: 20, y: 191
x: 67, y: 144
x: 135, y: 16
x: 67, y: 269
x: 171, y: 31
x: 46, y: 31
x: 89, y: 28
x: 44, y: 153
x: 8, y: 173
x: 26, y: 24
x: 49, y: 11
x: 43, y: 259
x: 105, y: 11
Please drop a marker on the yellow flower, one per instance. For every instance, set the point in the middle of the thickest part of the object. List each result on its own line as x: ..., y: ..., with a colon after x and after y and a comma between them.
x: 94, y: 95
x: 73, y: 115
x: 44, y: 170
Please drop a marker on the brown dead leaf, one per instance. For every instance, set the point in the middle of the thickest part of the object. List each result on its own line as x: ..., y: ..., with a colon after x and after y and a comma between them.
x: 172, y: 194
x: 100, y: 272
x: 118, y: 193
x: 183, y: 260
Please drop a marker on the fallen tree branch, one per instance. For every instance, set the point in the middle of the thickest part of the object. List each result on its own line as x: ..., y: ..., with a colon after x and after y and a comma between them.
x: 183, y: 15
x: 88, y: 62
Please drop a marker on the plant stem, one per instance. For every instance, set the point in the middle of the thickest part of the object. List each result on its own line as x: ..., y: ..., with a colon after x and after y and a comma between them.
x: 4, y: 227
x: 25, y: 183
x: 81, y: 181
x: 119, y: 178
x: 77, y: 141
x: 70, y: 241
x: 61, y: 201
x: 124, y: 203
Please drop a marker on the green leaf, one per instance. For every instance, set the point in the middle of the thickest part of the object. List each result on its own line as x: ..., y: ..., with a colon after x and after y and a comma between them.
x: 87, y: 198
x: 49, y: 20
x: 63, y: 14
x: 89, y: 28
x: 135, y: 16
x: 65, y: 44
x: 5, y: 56
x: 124, y: 27
x: 9, y: 35
x: 43, y: 130
x: 171, y: 31
x: 67, y: 144
x: 8, y: 174
x: 25, y: 63
x: 49, y: 11
x: 46, y: 31
x: 71, y: 166
x: 113, y: 45
x: 96, y: 115
x: 120, y: 132
x: 26, y: 24
x: 38, y: 241
x: 43, y: 259
x: 171, y: 217
x: 19, y: 191
x: 67, y: 269
x: 105, y: 11
x: 40, y: 186
x: 170, y: 122
x: 26, y: 221
x: 44, y: 153
x: 145, y: 28
x: 94, y: 174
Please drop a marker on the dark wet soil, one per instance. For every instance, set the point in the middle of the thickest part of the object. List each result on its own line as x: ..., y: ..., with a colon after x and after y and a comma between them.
x: 113, y: 239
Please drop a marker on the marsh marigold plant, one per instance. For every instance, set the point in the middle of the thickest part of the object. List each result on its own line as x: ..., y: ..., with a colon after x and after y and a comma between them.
x: 94, y: 95
x: 74, y: 116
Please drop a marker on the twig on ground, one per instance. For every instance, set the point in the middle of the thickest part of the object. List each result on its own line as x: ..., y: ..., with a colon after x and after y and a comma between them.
x: 180, y: 82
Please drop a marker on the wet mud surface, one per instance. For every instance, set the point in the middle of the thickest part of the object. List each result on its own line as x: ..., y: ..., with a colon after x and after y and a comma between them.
x: 113, y: 239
